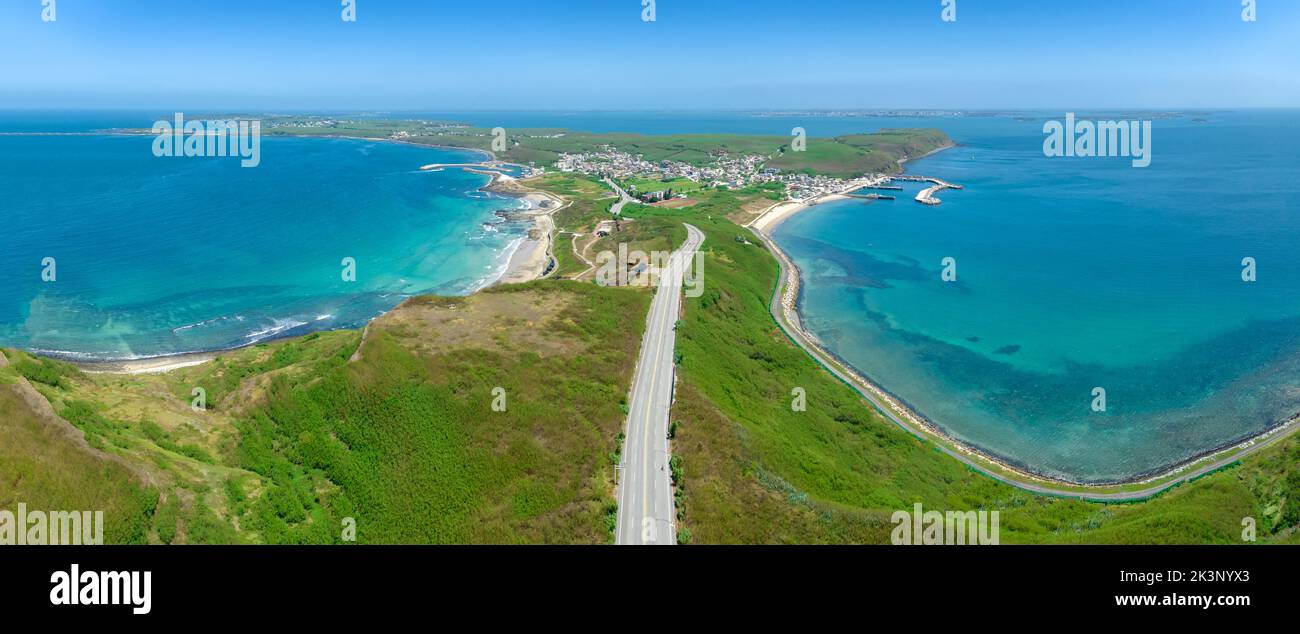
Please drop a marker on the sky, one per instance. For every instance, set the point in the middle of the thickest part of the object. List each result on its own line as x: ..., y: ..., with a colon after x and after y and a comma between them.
x: 431, y: 55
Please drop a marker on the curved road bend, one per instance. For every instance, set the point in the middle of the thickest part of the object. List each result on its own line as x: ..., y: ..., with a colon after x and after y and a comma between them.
x: 797, y: 335
x: 623, y: 198
x: 645, y: 494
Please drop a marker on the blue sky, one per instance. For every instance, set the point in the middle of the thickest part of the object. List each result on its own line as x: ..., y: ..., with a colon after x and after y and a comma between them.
x: 599, y: 54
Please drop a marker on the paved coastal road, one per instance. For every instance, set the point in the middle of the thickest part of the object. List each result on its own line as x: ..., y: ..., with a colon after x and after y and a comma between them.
x: 795, y: 333
x: 645, y: 495
x: 623, y: 198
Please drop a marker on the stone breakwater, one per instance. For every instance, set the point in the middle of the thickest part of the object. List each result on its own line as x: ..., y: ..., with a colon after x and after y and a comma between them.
x: 927, y: 195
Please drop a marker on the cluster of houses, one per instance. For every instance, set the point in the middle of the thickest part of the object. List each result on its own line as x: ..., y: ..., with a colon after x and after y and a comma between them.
x: 424, y: 128
x: 300, y: 123
x: 806, y: 186
x: 726, y: 170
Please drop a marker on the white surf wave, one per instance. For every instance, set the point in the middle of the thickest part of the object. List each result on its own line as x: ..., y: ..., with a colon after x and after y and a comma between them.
x: 277, y: 326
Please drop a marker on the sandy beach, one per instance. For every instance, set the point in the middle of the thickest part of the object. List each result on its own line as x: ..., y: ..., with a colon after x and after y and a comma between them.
x: 530, y: 260
x: 532, y: 257
x: 780, y: 212
x: 153, y: 365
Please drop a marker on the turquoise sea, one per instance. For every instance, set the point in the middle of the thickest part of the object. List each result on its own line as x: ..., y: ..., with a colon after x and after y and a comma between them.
x: 1074, y: 274
x: 158, y: 256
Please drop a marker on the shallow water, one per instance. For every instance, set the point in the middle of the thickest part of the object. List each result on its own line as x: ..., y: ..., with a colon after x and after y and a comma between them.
x: 166, y: 255
x: 1074, y: 274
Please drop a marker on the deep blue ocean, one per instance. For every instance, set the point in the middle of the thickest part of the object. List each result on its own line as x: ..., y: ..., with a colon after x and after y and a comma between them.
x: 156, y: 255
x: 1075, y: 274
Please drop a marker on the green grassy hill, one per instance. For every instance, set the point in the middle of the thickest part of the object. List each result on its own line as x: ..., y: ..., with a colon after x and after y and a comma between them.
x: 298, y: 435
x: 47, y: 464
x: 844, y: 156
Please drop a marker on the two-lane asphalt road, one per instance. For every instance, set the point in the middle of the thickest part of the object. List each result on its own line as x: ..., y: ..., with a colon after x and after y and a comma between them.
x: 645, y: 495
x: 623, y: 198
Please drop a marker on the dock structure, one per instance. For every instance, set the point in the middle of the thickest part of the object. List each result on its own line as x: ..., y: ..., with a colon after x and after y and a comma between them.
x: 870, y: 196
x: 927, y: 195
x: 485, y: 167
x: 440, y: 166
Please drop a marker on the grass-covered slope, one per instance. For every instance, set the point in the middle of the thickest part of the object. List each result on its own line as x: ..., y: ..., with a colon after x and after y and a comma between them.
x: 400, y: 434
x: 46, y: 464
x: 856, y: 154
x: 846, y: 156
x: 409, y: 437
x: 843, y: 156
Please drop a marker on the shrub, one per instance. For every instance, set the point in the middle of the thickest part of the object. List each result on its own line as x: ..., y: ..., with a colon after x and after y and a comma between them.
x: 39, y: 373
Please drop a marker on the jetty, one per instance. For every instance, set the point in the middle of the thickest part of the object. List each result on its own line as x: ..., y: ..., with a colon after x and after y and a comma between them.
x: 486, y: 167
x: 440, y: 166
x: 927, y: 195
x: 871, y: 196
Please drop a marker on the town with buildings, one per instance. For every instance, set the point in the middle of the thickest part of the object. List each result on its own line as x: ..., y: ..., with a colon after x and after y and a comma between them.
x: 726, y: 170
